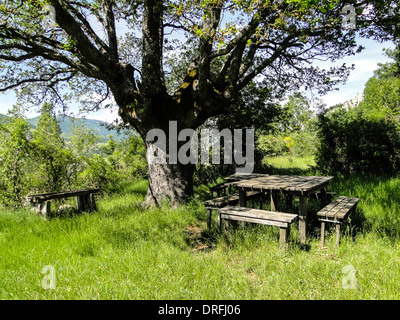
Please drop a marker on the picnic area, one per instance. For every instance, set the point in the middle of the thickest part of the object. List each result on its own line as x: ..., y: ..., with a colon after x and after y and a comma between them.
x: 199, y: 150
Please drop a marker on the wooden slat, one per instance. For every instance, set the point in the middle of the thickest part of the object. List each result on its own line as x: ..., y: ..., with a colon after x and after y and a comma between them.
x: 244, y: 176
x: 339, y: 209
x: 259, y: 214
x: 229, y: 199
x: 284, y: 183
x: 59, y: 195
x: 254, y: 220
x: 341, y: 204
x: 220, y: 201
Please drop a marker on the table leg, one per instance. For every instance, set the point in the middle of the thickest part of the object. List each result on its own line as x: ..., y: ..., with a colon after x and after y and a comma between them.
x: 273, y: 200
x: 289, y: 201
x: 323, y: 197
x: 242, y: 198
x: 303, y: 219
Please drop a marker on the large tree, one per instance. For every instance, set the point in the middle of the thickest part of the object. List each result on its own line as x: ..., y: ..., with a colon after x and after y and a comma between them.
x: 231, y: 43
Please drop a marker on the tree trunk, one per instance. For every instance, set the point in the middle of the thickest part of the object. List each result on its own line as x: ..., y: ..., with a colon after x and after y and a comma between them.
x: 171, y: 182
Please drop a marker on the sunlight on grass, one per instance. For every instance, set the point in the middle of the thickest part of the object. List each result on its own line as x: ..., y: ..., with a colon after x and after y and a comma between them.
x: 290, y: 165
x: 123, y: 251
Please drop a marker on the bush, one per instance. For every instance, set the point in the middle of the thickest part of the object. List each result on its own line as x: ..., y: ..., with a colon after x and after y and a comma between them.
x: 356, y: 142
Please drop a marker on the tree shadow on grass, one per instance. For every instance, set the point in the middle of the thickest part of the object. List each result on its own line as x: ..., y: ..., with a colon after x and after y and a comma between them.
x: 199, y: 239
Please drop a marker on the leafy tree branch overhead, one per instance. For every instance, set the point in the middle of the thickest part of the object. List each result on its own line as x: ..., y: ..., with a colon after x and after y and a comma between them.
x: 231, y: 44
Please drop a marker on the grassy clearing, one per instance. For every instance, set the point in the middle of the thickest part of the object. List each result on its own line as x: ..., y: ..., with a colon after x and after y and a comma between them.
x: 125, y: 252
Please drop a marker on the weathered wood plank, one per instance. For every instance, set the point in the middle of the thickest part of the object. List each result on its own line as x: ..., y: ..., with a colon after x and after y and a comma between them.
x: 259, y: 214
x: 338, y: 209
x: 229, y: 199
x: 244, y: 176
x: 59, y: 195
x: 276, y: 219
x: 336, y: 212
x: 284, y: 235
x: 287, y: 183
x: 254, y: 220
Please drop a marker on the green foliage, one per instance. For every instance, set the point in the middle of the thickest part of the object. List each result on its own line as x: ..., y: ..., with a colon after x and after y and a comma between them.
x: 382, y: 92
x: 358, y: 142
x: 382, y: 96
x: 365, y: 139
x: 294, y: 131
x: 15, y: 149
x: 39, y: 160
x: 51, y: 156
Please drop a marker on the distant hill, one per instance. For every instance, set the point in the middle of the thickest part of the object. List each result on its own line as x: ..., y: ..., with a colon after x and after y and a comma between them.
x: 2, y: 117
x: 65, y: 122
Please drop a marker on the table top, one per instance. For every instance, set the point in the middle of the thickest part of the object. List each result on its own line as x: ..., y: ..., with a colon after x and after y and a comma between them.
x: 302, y: 184
x: 244, y: 176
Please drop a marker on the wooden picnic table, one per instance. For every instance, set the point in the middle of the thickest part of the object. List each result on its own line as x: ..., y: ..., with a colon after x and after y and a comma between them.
x: 301, y: 186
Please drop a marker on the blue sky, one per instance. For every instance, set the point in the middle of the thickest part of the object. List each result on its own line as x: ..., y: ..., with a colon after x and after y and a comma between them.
x: 365, y: 65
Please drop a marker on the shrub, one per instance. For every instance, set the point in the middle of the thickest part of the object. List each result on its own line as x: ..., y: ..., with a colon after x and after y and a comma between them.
x: 356, y: 142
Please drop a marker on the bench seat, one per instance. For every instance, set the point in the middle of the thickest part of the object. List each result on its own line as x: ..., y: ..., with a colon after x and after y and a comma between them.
x: 270, y: 218
x: 228, y: 200
x: 336, y: 212
x: 84, y: 199
x: 221, y: 187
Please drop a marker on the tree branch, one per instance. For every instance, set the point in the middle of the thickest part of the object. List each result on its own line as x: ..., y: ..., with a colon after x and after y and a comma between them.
x: 110, y: 28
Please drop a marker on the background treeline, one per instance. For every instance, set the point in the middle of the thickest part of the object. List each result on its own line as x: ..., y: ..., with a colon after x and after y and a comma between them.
x: 343, y: 140
x: 39, y: 160
x: 346, y: 139
x: 365, y: 139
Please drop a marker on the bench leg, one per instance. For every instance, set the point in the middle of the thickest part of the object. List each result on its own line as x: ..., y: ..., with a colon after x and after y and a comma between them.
x: 209, y: 219
x: 85, y: 202
x: 322, y: 234
x: 45, y: 208
x: 223, y: 225
x: 92, y: 202
x: 284, y: 237
x: 81, y: 203
x: 35, y: 206
x: 337, y: 234
x: 303, y: 219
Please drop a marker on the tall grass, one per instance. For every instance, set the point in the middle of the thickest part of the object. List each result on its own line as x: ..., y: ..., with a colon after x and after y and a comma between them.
x: 123, y: 251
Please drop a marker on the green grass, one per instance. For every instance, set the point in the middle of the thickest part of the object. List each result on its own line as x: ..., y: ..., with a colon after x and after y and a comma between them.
x: 123, y: 251
x: 290, y: 165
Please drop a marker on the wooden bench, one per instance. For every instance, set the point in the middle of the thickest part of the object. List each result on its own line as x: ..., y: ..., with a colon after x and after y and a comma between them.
x: 228, y: 200
x: 84, y: 199
x: 270, y: 218
x: 336, y: 212
x: 221, y: 187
